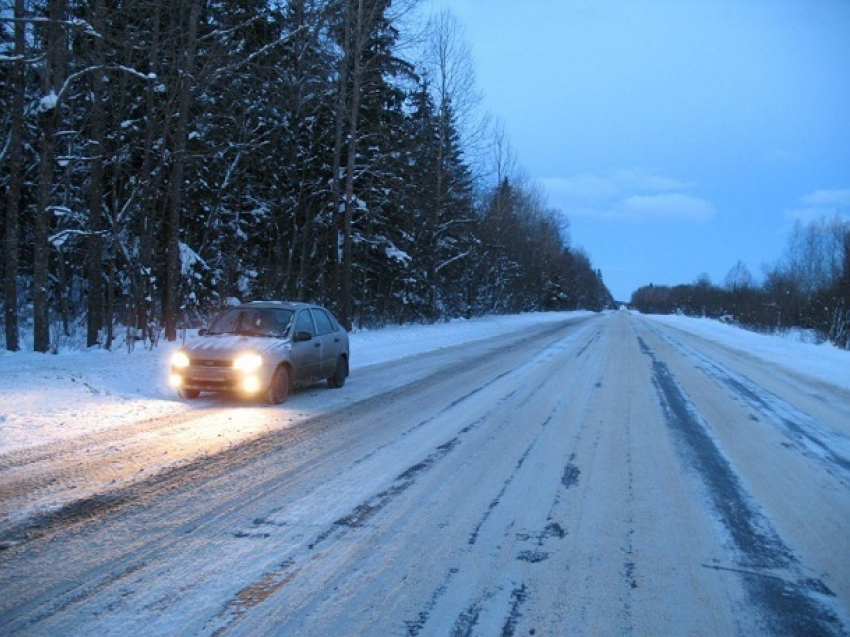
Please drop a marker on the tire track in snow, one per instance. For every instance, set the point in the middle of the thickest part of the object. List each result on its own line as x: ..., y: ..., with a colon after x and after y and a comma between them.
x: 361, y: 513
x: 274, y: 580
x: 467, y: 622
x: 116, y: 465
x: 790, y: 606
x: 406, y: 479
x: 804, y: 432
x: 82, y: 509
x: 531, y: 550
x: 473, y: 538
x: 364, y: 511
x: 415, y: 626
x: 240, y: 459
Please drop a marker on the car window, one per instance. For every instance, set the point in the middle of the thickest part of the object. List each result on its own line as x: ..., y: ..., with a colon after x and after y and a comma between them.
x: 225, y: 323
x: 304, y: 323
x: 253, y: 322
x: 323, y: 322
x: 275, y: 322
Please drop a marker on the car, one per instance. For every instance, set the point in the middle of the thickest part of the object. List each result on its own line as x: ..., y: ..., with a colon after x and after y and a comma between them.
x: 263, y: 349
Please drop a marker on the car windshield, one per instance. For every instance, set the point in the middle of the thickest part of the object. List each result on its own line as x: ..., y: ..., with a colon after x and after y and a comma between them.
x: 253, y: 322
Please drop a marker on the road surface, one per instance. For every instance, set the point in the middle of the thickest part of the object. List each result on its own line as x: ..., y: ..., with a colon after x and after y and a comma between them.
x: 608, y: 475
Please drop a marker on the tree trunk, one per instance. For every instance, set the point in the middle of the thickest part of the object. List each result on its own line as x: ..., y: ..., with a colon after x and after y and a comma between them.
x: 336, y: 184
x: 186, y: 85
x: 149, y: 185
x: 52, y: 80
x: 94, y: 252
x: 110, y: 305
x: 356, y: 41
x: 13, y: 196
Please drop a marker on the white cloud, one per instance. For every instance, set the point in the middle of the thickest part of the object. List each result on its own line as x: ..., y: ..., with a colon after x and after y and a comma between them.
x: 668, y: 207
x: 648, y: 181
x: 820, y: 204
x: 629, y: 195
x: 826, y: 198
x: 591, y: 186
x: 584, y: 186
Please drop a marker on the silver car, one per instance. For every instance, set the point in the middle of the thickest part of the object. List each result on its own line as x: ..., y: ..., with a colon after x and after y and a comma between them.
x: 263, y: 349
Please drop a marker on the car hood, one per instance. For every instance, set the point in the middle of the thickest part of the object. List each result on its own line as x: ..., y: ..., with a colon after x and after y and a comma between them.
x: 221, y: 346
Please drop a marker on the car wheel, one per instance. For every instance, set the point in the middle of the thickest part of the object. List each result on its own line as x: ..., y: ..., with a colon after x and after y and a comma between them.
x: 340, y: 373
x: 278, y: 390
x: 188, y: 393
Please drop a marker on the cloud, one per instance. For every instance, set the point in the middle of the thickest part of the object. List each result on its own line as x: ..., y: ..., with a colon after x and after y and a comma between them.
x: 628, y: 195
x: 584, y: 186
x: 667, y: 207
x: 820, y: 204
x: 648, y: 181
x: 825, y: 198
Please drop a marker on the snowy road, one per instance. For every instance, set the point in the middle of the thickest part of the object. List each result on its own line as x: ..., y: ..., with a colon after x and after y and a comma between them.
x: 605, y: 475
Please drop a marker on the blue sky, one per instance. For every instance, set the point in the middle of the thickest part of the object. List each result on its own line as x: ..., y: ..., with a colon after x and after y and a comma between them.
x: 677, y: 136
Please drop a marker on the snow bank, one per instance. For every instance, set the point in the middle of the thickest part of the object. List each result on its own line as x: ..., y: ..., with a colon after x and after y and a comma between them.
x: 824, y: 362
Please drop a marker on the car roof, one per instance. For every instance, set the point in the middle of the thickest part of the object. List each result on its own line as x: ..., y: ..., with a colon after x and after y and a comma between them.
x: 286, y: 305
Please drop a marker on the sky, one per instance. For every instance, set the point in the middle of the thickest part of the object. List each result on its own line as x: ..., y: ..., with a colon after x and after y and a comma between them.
x: 677, y: 136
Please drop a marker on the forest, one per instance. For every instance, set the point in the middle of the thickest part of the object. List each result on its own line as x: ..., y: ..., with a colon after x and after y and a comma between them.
x: 159, y: 158
x: 808, y: 287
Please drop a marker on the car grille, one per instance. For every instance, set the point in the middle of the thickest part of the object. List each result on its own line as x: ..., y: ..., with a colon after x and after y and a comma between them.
x: 208, y: 362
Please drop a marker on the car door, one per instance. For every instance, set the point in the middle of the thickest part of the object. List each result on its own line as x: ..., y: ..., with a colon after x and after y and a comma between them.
x: 330, y: 340
x: 306, y: 348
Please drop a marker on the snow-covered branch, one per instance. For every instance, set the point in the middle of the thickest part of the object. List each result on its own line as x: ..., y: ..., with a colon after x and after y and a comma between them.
x: 77, y: 24
x: 258, y: 53
x: 52, y: 99
x: 60, y: 238
x: 454, y: 259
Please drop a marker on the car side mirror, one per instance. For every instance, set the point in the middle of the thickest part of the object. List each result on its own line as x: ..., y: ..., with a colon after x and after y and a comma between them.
x: 302, y: 336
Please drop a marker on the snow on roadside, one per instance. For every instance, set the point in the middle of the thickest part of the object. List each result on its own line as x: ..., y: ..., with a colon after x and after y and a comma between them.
x: 45, y: 397
x: 824, y: 362
x: 369, y: 347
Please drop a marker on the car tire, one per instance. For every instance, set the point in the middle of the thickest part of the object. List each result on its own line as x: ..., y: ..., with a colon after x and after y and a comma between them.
x: 278, y: 390
x: 188, y: 394
x: 340, y: 373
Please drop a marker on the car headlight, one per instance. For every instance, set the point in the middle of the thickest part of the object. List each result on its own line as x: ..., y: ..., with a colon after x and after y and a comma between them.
x: 251, y: 384
x: 248, y: 362
x: 180, y: 359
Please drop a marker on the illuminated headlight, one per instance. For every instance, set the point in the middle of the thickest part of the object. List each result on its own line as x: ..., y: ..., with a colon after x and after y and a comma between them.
x: 251, y: 384
x: 248, y: 362
x: 176, y: 380
x: 180, y: 360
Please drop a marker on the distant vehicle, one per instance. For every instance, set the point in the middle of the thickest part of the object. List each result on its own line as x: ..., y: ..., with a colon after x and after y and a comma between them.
x: 263, y: 349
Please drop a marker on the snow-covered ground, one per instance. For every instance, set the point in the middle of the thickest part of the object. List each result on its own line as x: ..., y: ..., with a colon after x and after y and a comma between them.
x: 564, y: 474
x: 791, y: 351
x: 45, y: 397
